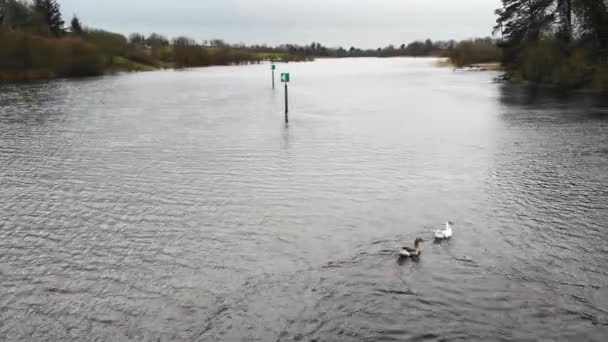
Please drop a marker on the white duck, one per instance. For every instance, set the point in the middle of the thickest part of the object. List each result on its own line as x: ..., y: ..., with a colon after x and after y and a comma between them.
x: 444, y: 233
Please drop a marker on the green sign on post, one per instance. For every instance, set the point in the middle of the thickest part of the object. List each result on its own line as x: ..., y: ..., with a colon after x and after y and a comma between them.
x: 273, y: 67
x: 285, y: 79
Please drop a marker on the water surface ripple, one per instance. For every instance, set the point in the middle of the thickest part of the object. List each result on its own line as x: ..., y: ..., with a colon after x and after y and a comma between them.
x: 177, y: 206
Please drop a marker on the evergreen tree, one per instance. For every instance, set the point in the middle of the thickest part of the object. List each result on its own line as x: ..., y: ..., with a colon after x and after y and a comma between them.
x: 565, y: 19
x: 594, y: 26
x: 50, y: 12
x: 524, y: 22
x: 137, y: 39
x: 76, y: 26
x: 521, y: 23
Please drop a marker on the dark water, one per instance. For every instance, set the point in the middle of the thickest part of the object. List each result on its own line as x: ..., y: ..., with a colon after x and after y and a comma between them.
x: 176, y: 206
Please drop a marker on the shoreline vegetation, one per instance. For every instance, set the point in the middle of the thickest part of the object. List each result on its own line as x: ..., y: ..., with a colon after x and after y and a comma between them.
x: 556, y: 43
x: 492, y: 66
x: 38, y: 44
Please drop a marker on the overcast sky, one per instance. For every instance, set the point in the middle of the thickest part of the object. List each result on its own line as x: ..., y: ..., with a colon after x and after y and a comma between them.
x: 363, y: 23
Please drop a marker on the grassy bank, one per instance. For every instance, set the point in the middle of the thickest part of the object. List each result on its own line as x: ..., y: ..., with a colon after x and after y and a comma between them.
x: 26, y: 56
x: 281, y: 57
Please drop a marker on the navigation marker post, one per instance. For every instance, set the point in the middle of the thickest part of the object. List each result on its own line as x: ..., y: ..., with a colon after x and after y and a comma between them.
x: 273, y: 68
x: 285, y: 78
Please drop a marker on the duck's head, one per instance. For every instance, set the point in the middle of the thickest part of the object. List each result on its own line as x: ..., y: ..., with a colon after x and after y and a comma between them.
x: 449, y: 224
x: 418, y: 241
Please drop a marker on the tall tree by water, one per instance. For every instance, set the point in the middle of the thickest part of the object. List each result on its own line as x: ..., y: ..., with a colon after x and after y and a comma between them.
x: 50, y: 12
x: 563, y: 20
x: 76, y: 26
x: 561, y: 42
x: 523, y: 20
x: 594, y: 25
x: 526, y: 21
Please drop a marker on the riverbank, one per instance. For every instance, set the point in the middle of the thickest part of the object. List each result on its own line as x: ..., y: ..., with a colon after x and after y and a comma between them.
x: 597, y: 85
x: 491, y: 66
x: 25, y: 56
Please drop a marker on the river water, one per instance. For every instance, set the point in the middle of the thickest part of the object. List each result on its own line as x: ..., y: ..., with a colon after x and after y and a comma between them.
x: 178, y: 206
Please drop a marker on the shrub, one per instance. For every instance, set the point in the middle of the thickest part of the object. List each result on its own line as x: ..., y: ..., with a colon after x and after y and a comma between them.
x: 25, y: 55
x: 190, y: 56
x: 109, y: 44
x: 74, y: 57
x: 600, y: 78
x: 472, y: 52
x: 23, y: 51
x: 142, y: 57
x: 549, y: 62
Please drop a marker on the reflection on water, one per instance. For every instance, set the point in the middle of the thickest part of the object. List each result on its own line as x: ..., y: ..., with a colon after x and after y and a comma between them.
x: 179, y: 206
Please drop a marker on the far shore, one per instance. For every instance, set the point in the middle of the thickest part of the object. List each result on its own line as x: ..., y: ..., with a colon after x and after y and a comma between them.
x: 492, y: 66
x: 121, y: 64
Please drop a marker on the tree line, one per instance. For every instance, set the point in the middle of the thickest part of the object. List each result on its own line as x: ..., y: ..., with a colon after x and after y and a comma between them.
x: 479, y: 50
x: 558, y: 42
x: 37, y: 43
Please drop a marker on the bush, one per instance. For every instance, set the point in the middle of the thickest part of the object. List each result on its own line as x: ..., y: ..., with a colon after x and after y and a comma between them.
x: 539, y: 62
x: 222, y: 56
x: 142, y: 57
x: 24, y: 55
x: 74, y: 57
x: 600, y: 78
x: 109, y: 44
x: 549, y: 62
x: 22, y: 51
x: 472, y: 52
x: 190, y: 56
